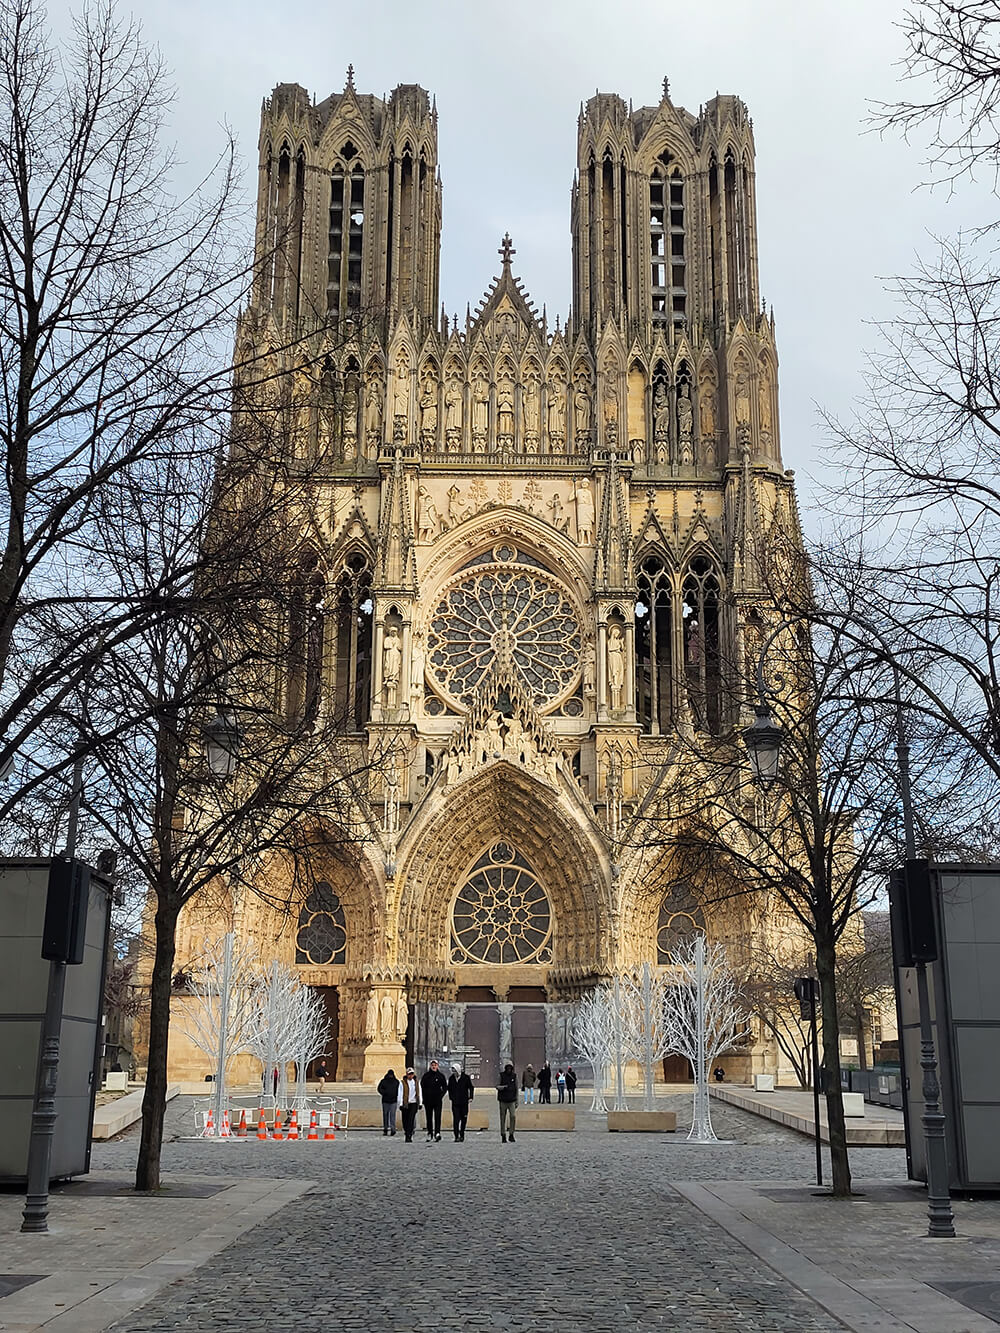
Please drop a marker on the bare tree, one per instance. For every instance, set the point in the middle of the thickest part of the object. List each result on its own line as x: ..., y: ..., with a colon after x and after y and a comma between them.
x: 593, y: 1037
x: 865, y: 979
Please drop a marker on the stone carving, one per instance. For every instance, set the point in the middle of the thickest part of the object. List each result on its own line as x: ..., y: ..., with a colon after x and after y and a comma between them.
x: 764, y: 395
x: 402, y: 1016
x: 401, y: 391
x: 616, y: 665
x: 530, y: 404
x: 429, y: 407
x: 742, y: 396
x: 427, y: 516
x: 505, y: 409
x: 416, y: 672
x: 581, y: 407
x: 371, y: 1017
x: 349, y: 415
x: 373, y: 408
x: 387, y: 1019
x: 532, y: 495
x: 504, y: 738
x: 453, y: 415
x: 480, y: 410
x: 661, y: 415
x: 685, y: 423
x: 584, y: 512
x: 555, y: 505
x: 706, y: 405
x: 392, y: 658
x: 327, y: 426
x: 557, y: 414
x: 610, y: 397
x: 456, y: 510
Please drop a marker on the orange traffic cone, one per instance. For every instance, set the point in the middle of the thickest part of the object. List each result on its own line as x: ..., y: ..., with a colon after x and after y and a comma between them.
x: 262, y: 1126
x: 209, y: 1131
x: 226, y: 1131
x: 277, y: 1126
x: 329, y: 1129
x: 313, y: 1134
x: 293, y: 1128
x: 241, y: 1132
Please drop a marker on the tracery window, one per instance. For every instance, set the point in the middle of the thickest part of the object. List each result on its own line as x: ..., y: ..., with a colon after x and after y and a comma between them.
x: 346, y: 237
x: 322, y: 933
x: 505, y: 611
x: 680, y: 916
x: 501, y: 913
x: 668, y: 261
x: 305, y: 645
x: 355, y: 608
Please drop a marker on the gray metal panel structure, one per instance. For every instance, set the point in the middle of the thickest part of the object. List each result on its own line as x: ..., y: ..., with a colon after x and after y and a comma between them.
x: 23, y: 984
x: 964, y: 986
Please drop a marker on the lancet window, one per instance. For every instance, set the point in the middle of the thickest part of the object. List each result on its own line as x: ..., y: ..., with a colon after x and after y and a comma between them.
x: 287, y: 199
x: 322, y: 932
x: 353, y: 670
x: 667, y: 242
x: 305, y: 644
x: 701, y: 604
x: 346, y: 235
x: 654, y: 646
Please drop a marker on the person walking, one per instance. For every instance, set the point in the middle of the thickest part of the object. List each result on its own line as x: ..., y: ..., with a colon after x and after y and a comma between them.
x: 570, y: 1084
x: 528, y: 1084
x: 507, y: 1097
x: 545, y: 1084
x: 409, y: 1101
x: 561, y: 1086
x: 460, y: 1093
x: 433, y: 1086
x: 388, y: 1090
x: 321, y: 1074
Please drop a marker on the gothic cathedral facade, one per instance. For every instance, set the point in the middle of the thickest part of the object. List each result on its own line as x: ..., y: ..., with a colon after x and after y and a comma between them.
x: 539, y: 552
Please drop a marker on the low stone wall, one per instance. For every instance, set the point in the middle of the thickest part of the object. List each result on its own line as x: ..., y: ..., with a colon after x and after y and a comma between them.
x: 370, y: 1117
x: 545, y: 1117
x: 115, y: 1116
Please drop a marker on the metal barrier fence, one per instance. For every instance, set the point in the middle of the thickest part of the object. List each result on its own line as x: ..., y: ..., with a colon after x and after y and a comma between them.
x: 881, y: 1086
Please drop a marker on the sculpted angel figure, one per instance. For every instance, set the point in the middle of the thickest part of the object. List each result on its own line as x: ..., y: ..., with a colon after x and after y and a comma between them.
x: 616, y: 665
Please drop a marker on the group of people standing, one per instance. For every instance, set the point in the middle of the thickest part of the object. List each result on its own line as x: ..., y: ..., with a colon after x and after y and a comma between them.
x: 565, y: 1081
x: 407, y: 1095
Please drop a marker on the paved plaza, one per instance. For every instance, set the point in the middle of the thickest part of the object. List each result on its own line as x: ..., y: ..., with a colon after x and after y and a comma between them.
x: 592, y: 1230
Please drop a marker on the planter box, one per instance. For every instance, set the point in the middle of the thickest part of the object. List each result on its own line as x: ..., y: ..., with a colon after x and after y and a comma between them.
x: 545, y: 1117
x: 642, y: 1122
x: 370, y: 1117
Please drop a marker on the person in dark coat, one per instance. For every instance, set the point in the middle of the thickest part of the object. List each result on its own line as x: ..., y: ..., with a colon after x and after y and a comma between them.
x: 460, y: 1093
x: 321, y: 1074
x: 570, y: 1083
x: 433, y: 1086
x: 545, y: 1084
x: 388, y: 1090
x: 507, y: 1097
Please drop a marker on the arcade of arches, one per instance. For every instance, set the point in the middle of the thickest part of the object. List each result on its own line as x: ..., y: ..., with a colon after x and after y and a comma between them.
x: 539, y: 552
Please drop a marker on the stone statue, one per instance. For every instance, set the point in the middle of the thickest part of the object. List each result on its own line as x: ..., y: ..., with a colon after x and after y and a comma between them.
x: 764, y: 394
x: 706, y: 406
x: 453, y: 411
x: 402, y: 1016
x: 427, y: 516
x: 493, y: 742
x: 661, y: 412
x: 416, y: 672
x: 555, y: 504
x: 401, y: 391
x: 429, y: 408
x: 371, y: 1017
x: 581, y: 407
x: 742, y: 398
x: 557, y: 411
x: 584, y: 512
x: 505, y: 407
x: 610, y: 398
x: 514, y: 745
x: 685, y: 422
x: 373, y: 409
x: 616, y: 665
x: 452, y: 770
x: 455, y: 512
x: 349, y: 406
x: 530, y: 404
x: 387, y: 1018
x: 480, y: 408
x: 392, y: 659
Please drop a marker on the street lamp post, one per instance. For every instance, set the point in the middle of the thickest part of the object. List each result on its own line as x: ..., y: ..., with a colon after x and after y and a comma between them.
x: 763, y: 742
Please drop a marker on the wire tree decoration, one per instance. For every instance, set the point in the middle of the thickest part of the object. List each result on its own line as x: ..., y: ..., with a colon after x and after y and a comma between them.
x: 702, y: 1017
x: 220, y: 1017
x: 593, y: 1037
x: 642, y: 995
x: 290, y: 1027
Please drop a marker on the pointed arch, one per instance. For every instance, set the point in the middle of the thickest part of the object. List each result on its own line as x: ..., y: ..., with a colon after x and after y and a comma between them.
x: 702, y: 626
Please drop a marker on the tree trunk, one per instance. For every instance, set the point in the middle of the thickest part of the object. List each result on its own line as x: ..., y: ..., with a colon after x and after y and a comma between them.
x: 826, y: 970
x: 859, y: 1019
x: 154, y: 1102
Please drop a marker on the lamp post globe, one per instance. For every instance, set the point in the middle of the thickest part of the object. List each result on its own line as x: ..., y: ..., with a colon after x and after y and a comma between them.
x: 763, y: 741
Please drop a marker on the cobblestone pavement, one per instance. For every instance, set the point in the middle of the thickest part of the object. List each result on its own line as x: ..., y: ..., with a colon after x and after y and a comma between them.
x: 583, y: 1229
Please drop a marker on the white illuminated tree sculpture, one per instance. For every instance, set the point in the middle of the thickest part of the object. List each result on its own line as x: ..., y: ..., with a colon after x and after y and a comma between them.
x: 702, y: 1018
x: 642, y: 1004
x: 593, y: 1037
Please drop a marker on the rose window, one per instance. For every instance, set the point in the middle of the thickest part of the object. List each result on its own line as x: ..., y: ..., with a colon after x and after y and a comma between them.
x: 505, y: 614
x: 501, y: 914
x: 322, y: 935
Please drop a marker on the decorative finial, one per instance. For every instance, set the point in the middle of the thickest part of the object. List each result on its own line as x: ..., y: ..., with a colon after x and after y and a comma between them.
x: 666, y: 89
x: 506, y: 249
x: 349, y: 86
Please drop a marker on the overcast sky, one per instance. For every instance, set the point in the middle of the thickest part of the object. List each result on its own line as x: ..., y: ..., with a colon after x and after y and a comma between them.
x: 839, y: 208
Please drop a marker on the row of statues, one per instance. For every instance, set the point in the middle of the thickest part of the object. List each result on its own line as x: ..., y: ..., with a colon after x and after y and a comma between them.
x: 462, y: 505
x: 386, y: 1017
x: 507, y: 738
